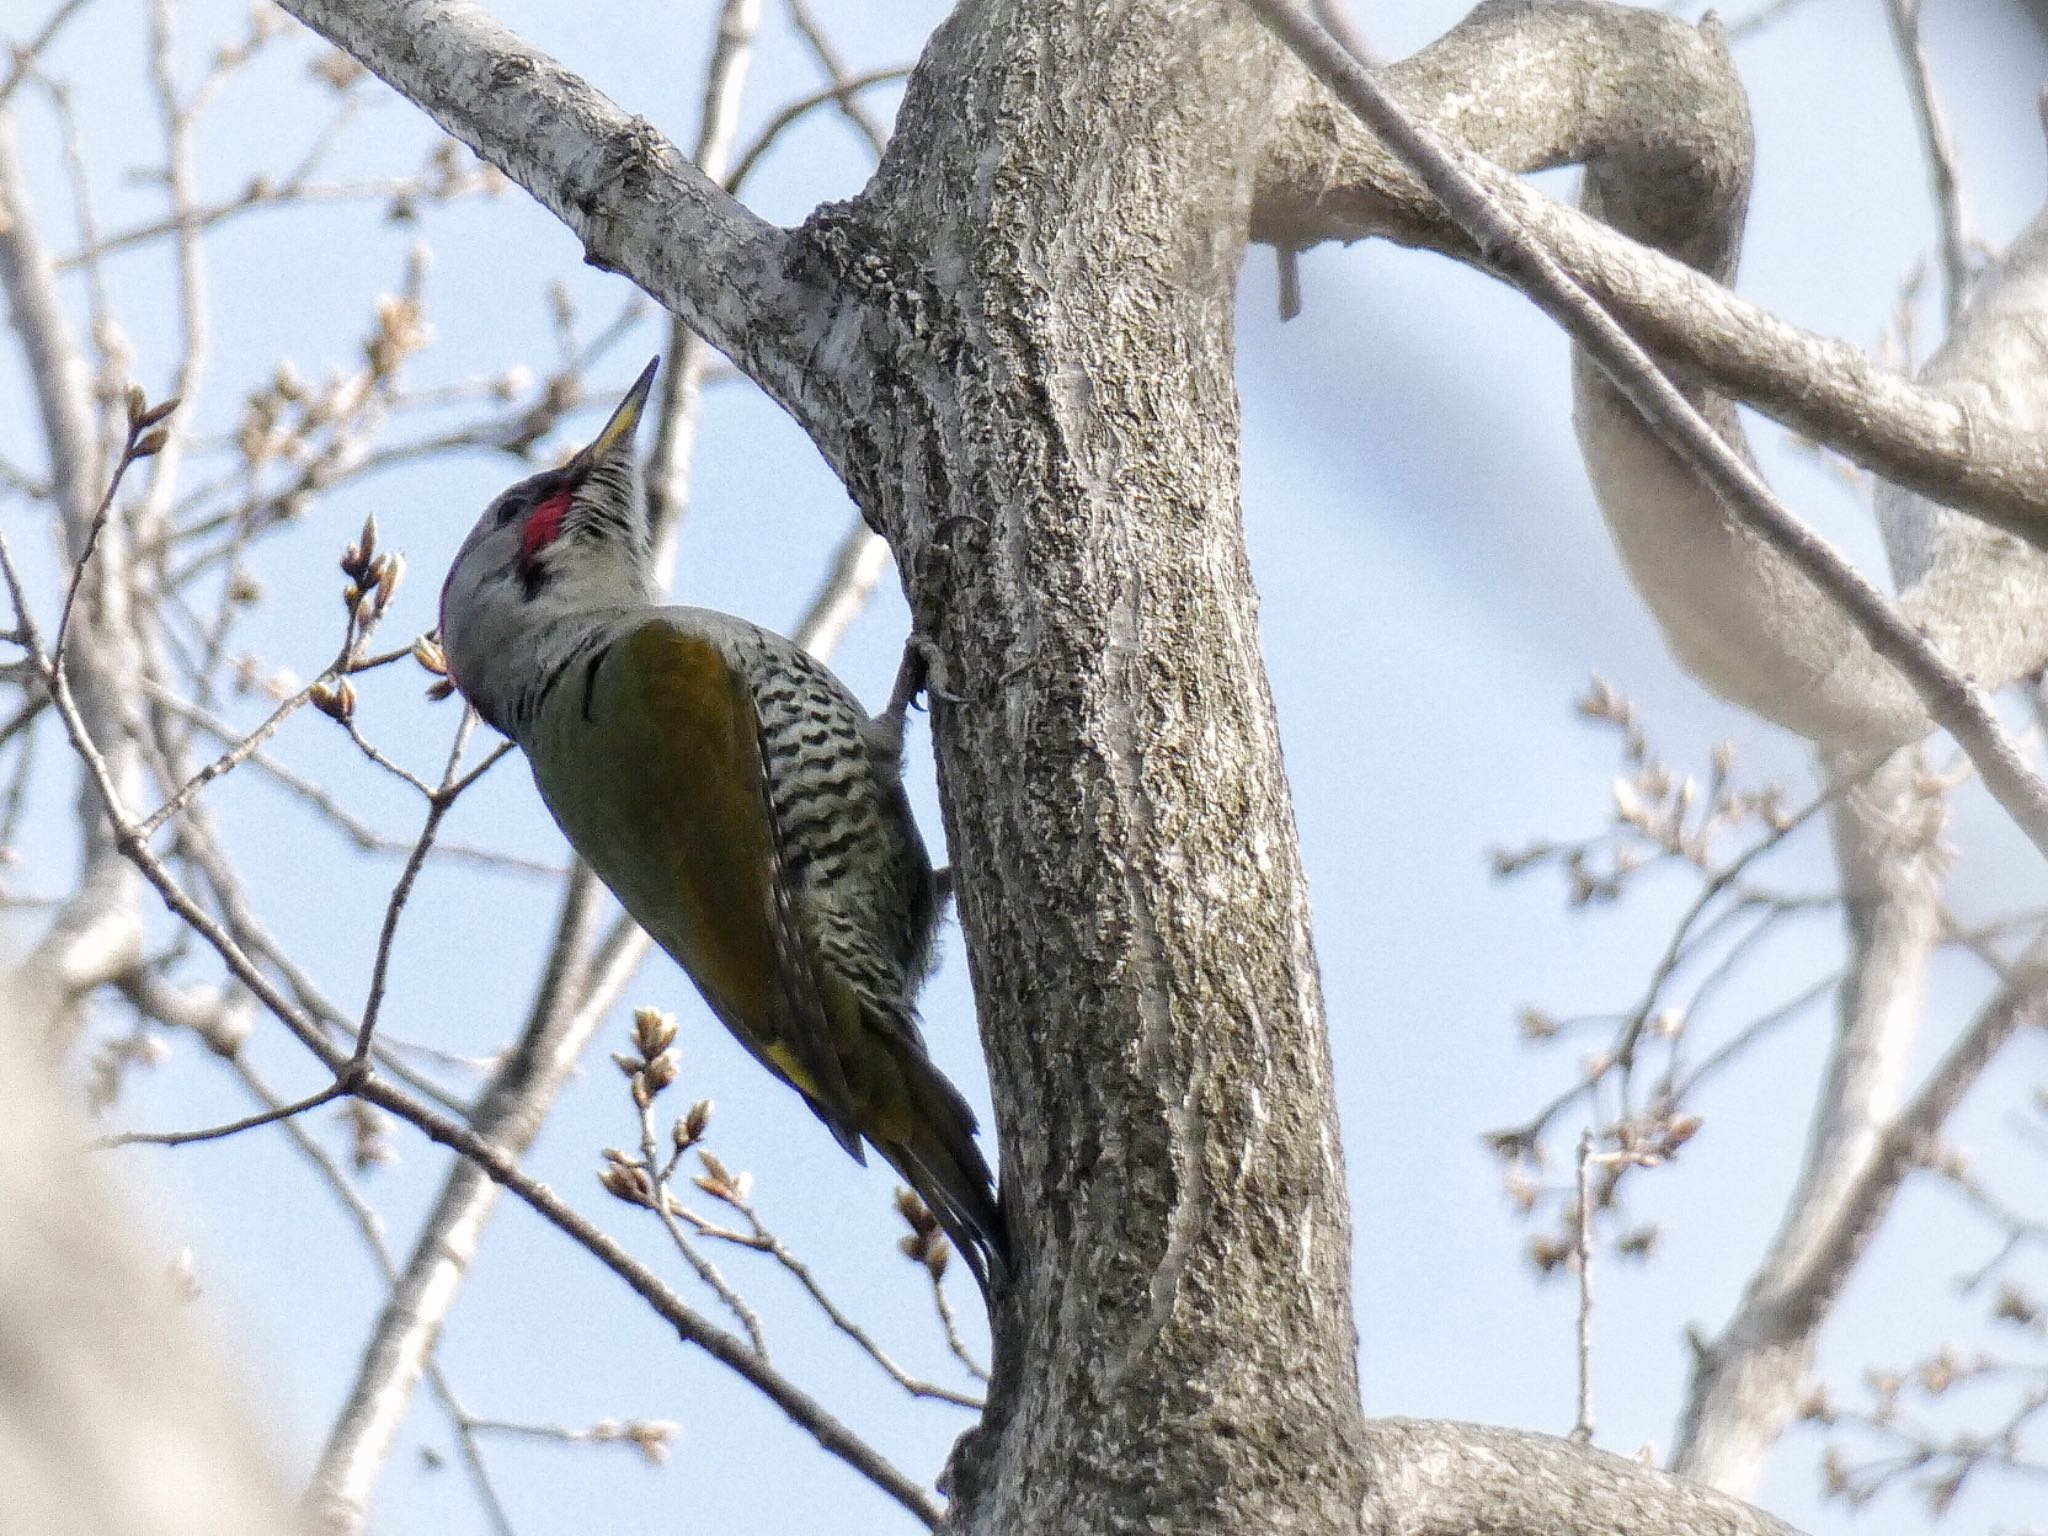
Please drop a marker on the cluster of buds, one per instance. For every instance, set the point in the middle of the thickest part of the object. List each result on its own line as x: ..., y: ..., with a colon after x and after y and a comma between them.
x: 426, y: 650
x: 1654, y: 1139
x: 650, y: 1437
x: 146, y: 432
x: 1639, y: 1242
x: 335, y: 700
x: 108, y: 1070
x: 720, y: 1183
x: 261, y: 434
x: 1818, y: 1407
x: 2013, y: 1305
x: 337, y: 70
x: 1647, y: 1141
x: 1551, y: 1252
x: 265, y: 23
x: 373, y: 577
x: 690, y: 1128
x: 1603, y: 702
x: 626, y: 1178
x: 401, y: 331
x: 652, y: 1064
x: 925, y: 1243
x: 1657, y: 813
x: 369, y: 1133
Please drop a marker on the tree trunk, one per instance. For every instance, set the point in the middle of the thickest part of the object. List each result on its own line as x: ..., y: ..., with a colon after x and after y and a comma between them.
x: 1049, y: 439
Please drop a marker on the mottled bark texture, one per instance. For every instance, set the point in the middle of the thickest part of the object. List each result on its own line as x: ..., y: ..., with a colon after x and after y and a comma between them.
x: 1045, y: 268
x: 1431, y: 1478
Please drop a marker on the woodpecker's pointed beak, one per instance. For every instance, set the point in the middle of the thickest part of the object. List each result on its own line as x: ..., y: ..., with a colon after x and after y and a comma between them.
x: 625, y: 420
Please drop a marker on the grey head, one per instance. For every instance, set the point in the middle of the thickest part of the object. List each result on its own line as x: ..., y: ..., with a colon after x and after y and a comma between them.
x: 547, y: 554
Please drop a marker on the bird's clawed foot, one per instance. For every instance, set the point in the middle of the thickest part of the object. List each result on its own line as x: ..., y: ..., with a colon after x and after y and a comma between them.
x: 923, y: 671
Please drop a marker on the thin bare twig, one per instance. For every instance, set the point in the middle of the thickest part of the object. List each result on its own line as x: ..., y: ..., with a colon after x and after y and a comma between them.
x: 26, y: 54
x: 1334, y: 16
x: 1582, y: 1251
x: 647, y: 1436
x: 1693, y: 929
x: 132, y: 453
x: 370, y: 1226
x: 655, y: 1032
x: 759, y: 1238
x: 181, y: 175
x: 689, y: 1324
x: 327, y: 1095
x: 324, y: 801
x: 240, y: 750
x: 1752, y: 1032
x: 951, y: 1327
x: 837, y: 93
x: 834, y: 66
x: 1952, y: 229
x: 439, y: 802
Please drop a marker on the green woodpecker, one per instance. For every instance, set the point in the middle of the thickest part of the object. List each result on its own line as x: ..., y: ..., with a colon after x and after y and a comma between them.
x: 738, y: 801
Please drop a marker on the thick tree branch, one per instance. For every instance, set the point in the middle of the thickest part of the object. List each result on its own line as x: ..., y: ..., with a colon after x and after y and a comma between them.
x: 1980, y: 592
x: 1044, y: 426
x: 1324, y: 177
x: 1434, y: 1478
x: 638, y: 204
x: 1910, y: 1135
x: 1746, y: 1375
x: 689, y: 359
x: 1951, y: 698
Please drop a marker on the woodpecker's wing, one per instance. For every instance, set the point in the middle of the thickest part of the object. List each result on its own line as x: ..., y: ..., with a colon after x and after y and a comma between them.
x: 725, y: 910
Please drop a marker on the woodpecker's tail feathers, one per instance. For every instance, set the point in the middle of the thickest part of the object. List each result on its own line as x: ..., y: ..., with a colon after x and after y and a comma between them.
x: 961, y: 1196
x: 941, y: 1161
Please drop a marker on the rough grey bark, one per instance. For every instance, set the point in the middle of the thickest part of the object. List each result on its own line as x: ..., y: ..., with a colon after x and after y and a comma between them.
x: 1047, y: 431
x: 1440, y: 1479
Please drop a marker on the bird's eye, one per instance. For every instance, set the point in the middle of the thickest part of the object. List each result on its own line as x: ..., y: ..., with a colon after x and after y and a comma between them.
x: 513, y: 504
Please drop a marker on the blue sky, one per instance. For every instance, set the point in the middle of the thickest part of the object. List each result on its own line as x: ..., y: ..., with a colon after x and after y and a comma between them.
x: 1435, y: 590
